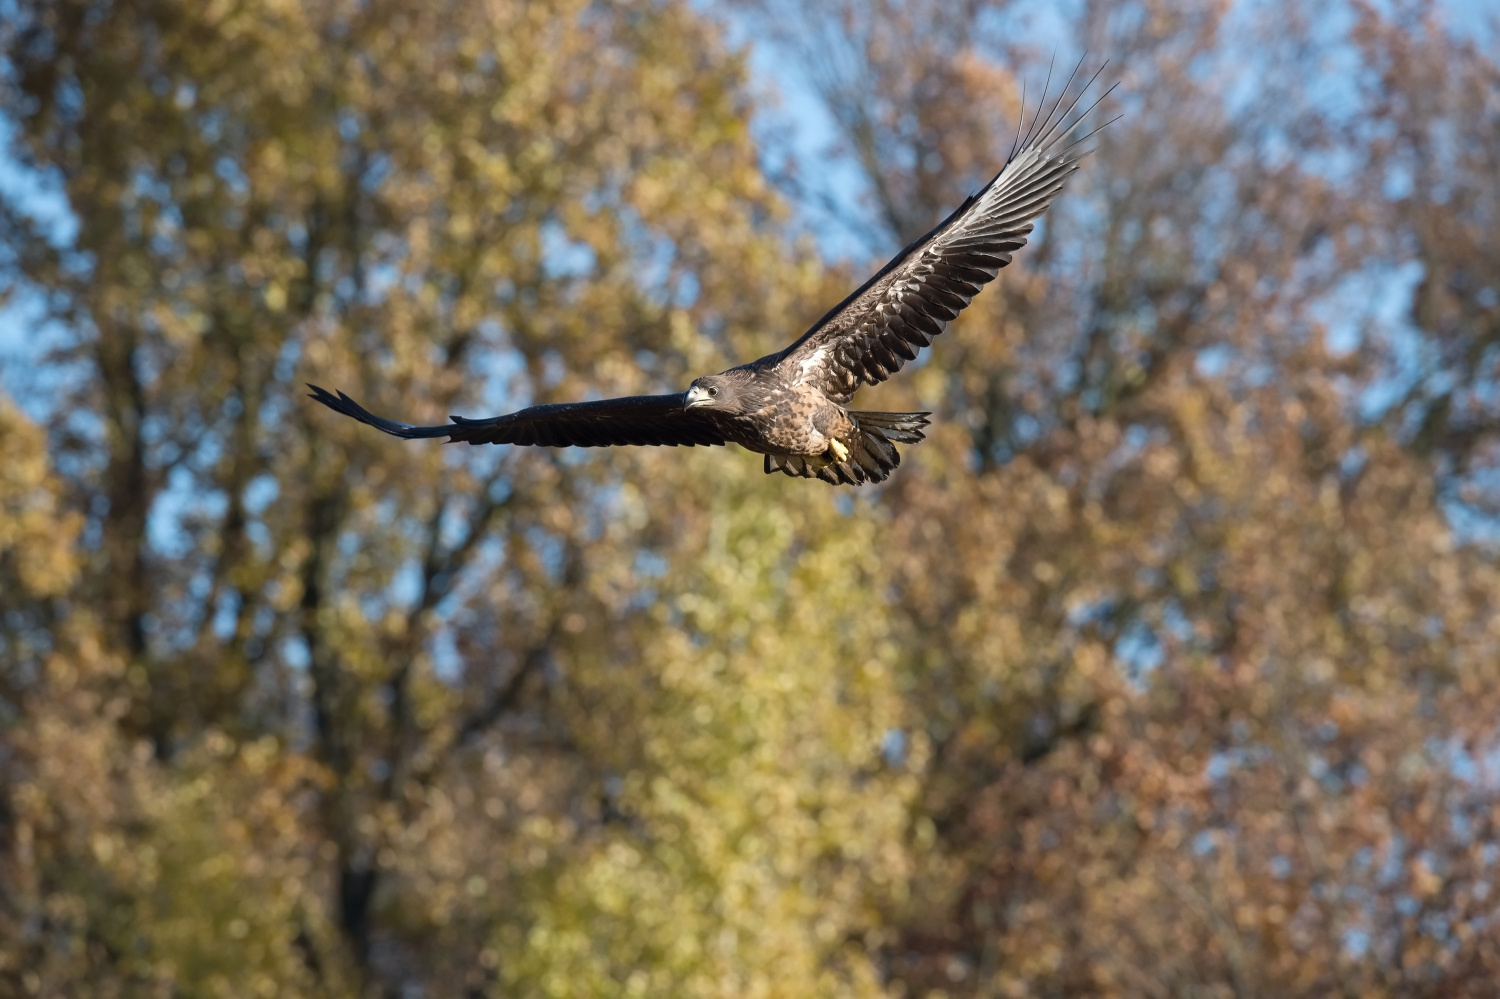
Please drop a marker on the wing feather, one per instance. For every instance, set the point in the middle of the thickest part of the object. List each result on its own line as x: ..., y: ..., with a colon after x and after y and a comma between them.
x: 872, y: 333
x: 643, y: 420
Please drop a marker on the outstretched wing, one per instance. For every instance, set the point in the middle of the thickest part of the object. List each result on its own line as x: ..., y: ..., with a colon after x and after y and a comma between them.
x: 648, y: 420
x: 872, y: 333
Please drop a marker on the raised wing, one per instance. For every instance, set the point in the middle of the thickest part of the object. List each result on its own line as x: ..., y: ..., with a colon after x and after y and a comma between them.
x: 648, y: 420
x: 869, y: 336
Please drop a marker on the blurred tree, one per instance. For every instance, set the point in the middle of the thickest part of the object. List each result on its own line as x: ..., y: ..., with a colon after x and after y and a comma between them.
x: 1194, y: 643
x: 357, y: 717
x: 1437, y: 189
x: 1160, y: 670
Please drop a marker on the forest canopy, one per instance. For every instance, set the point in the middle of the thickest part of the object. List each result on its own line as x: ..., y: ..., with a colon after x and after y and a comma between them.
x: 1168, y: 665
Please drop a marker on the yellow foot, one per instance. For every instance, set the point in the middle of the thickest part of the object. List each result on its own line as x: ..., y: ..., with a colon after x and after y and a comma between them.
x: 837, y: 451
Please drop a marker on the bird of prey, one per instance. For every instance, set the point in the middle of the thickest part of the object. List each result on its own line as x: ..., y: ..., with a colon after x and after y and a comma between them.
x: 793, y: 405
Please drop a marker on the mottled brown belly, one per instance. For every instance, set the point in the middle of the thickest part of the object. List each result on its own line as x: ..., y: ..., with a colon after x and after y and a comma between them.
x: 796, y: 425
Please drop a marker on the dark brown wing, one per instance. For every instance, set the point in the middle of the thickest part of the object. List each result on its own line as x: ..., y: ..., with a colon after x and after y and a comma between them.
x: 872, y: 333
x: 649, y: 420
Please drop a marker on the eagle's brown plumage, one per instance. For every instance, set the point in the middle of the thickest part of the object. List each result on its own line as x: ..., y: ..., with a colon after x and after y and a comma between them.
x: 791, y: 406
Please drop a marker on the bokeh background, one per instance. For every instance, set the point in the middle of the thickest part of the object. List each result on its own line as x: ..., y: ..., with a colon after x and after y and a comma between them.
x: 1168, y: 666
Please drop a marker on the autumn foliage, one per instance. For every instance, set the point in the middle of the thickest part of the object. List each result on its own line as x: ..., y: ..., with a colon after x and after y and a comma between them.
x: 1168, y: 666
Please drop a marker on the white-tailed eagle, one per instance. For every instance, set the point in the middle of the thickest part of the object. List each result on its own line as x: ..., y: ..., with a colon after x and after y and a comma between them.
x: 792, y: 406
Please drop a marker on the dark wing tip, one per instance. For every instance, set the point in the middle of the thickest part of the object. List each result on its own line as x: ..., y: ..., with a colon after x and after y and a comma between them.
x: 341, y: 403
x: 322, y: 395
x: 346, y: 406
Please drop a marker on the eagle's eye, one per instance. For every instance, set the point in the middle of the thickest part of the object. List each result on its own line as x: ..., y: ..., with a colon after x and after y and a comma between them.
x: 713, y: 391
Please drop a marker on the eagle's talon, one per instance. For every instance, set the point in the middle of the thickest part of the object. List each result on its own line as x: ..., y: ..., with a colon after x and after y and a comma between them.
x: 837, y: 452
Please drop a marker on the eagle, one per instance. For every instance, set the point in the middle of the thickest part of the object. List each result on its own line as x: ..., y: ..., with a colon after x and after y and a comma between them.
x: 793, y: 406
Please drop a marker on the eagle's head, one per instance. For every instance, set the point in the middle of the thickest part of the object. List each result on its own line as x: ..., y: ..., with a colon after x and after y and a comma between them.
x: 722, y: 392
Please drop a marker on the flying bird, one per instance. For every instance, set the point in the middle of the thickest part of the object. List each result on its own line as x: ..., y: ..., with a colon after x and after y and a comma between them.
x: 793, y: 406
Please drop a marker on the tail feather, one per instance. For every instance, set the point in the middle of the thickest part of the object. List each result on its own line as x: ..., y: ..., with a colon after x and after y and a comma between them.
x: 904, y: 428
x: 872, y: 453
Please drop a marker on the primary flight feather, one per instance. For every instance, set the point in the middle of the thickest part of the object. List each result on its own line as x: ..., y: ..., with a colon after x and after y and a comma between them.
x: 792, y: 406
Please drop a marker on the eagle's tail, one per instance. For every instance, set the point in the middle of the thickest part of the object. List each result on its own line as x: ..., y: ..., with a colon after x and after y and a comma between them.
x: 904, y: 428
x: 872, y: 452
